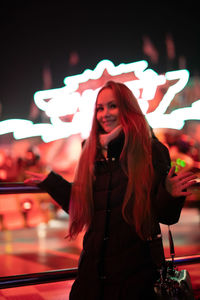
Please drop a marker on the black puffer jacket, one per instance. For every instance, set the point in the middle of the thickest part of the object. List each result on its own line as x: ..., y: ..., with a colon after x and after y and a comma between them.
x: 115, y: 263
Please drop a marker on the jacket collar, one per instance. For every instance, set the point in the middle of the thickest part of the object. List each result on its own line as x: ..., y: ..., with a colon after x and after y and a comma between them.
x: 115, y: 146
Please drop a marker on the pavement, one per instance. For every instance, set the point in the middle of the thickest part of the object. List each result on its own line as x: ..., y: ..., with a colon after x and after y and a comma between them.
x: 44, y: 247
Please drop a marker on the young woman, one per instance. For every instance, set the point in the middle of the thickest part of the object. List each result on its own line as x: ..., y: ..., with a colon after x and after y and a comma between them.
x: 122, y: 189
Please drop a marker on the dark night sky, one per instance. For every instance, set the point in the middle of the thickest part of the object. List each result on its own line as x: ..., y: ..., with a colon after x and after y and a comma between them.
x: 34, y: 35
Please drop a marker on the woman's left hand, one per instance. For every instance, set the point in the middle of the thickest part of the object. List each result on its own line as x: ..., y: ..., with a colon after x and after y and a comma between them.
x: 177, y: 185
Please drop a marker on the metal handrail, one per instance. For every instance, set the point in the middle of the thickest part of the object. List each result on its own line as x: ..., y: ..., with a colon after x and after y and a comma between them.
x: 186, y: 260
x: 37, y: 278
x: 67, y: 274
x: 18, y: 188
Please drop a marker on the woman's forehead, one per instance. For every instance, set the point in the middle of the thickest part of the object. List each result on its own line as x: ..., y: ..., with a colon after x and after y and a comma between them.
x: 105, y: 96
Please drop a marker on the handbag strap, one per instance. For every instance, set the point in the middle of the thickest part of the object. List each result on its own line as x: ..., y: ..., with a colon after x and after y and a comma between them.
x: 171, y: 244
x: 157, y: 250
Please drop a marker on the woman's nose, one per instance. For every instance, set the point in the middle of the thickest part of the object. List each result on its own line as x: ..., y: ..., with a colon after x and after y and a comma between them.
x: 106, y: 112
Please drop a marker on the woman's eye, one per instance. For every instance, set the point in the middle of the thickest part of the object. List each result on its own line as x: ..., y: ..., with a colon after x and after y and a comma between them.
x: 99, y: 108
x: 113, y: 105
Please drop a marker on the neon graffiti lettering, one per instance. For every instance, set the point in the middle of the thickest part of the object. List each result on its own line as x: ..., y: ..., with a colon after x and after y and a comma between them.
x: 70, y: 108
x: 176, y: 119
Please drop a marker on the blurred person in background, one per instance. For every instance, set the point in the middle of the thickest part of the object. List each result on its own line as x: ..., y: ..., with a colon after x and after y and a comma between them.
x: 7, y: 167
x: 30, y: 162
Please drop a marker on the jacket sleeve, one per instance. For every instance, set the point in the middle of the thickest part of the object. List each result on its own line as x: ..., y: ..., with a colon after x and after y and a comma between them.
x: 58, y: 188
x: 167, y: 208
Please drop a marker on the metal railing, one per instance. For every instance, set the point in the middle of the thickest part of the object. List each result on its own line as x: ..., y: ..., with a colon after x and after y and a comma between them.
x: 37, y: 278
x: 54, y: 275
x: 18, y: 188
x: 66, y: 274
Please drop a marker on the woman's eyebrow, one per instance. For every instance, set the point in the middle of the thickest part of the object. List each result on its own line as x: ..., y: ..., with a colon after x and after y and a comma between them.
x: 110, y: 102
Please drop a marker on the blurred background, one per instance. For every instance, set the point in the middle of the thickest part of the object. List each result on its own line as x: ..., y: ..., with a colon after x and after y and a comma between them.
x: 41, y: 44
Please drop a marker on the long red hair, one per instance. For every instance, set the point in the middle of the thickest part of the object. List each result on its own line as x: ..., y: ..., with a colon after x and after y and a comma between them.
x: 136, y: 160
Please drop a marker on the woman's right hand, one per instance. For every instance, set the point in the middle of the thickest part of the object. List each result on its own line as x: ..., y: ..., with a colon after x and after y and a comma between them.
x: 35, y: 178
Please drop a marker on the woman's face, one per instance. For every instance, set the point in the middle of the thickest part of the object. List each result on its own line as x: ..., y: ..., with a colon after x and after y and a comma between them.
x: 107, y: 110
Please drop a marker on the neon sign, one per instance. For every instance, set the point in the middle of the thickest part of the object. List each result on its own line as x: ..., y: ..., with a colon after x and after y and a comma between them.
x: 70, y: 108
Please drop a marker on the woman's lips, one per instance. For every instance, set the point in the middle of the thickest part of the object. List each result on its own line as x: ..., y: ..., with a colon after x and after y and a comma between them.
x: 107, y: 123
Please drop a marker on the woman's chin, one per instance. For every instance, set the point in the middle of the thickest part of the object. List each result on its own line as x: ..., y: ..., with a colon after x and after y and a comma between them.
x: 108, y: 129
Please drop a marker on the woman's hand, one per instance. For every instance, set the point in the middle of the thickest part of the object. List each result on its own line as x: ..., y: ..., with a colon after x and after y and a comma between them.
x: 177, y: 185
x: 35, y: 178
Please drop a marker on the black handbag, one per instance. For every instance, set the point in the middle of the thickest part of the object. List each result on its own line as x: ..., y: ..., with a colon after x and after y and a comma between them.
x: 173, y: 284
